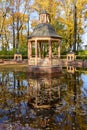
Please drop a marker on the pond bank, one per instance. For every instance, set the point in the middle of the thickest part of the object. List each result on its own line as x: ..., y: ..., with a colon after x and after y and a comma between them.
x: 13, y: 62
x: 76, y: 63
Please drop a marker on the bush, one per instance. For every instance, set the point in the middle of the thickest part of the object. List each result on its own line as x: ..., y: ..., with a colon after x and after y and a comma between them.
x: 82, y: 52
x: 10, y: 54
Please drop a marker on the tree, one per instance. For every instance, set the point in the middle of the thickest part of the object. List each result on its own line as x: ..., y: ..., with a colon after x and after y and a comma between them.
x: 49, y: 5
x: 71, y: 16
x: 15, y: 22
x: 4, y: 10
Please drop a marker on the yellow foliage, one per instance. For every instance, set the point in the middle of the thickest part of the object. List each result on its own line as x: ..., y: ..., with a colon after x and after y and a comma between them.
x: 34, y: 23
x: 49, y: 5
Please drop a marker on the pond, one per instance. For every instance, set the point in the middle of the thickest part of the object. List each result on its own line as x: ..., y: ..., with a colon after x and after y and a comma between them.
x: 48, y: 102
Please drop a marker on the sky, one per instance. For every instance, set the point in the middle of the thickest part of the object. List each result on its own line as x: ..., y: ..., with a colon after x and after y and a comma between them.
x: 84, y: 36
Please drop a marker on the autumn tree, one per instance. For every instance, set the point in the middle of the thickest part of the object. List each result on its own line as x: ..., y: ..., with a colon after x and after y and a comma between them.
x: 49, y: 5
x: 4, y: 10
x: 72, y: 18
x: 15, y: 22
x: 19, y: 19
x: 67, y: 19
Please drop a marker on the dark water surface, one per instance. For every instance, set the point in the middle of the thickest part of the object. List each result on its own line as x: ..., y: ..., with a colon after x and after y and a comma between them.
x: 43, y: 103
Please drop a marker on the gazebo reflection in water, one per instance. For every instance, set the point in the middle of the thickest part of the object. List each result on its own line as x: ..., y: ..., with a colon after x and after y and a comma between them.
x: 44, y: 92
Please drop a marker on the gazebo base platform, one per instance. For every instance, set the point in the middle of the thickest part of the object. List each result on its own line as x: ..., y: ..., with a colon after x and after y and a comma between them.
x: 44, y: 70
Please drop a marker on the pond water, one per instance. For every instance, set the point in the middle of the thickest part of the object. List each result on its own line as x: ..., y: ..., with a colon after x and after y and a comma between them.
x: 43, y: 103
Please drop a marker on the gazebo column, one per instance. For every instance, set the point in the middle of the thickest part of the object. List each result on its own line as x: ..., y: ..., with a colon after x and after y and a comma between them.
x: 50, y: 53
x: 58, y: 50
x: 29, y: 51
x: 39, y: 47
x: 36, y: 53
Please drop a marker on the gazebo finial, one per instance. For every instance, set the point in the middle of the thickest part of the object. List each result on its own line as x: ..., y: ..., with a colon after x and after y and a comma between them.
x: 44, y: 17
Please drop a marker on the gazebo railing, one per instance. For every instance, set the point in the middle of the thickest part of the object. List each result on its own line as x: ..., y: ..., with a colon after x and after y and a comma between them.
x: 44, y: 61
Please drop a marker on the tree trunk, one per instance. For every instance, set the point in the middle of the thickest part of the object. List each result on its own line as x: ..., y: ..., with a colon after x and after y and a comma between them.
x: 17, y: 44
x: 75, y: 27
x: 13, y: 32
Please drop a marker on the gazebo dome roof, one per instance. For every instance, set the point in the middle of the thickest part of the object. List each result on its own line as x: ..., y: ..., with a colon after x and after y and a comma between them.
x: 44, y: 30
x: 44, y: 12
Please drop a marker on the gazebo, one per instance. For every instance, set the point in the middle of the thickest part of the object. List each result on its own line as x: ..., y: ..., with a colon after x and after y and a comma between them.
x: 41, y: 55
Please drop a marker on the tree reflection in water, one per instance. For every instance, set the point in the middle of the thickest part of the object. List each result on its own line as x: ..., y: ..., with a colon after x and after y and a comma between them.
x: 48, y: 102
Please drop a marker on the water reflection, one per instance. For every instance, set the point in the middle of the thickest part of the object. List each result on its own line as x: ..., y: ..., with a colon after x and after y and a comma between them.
x: 48, y: 102
x: 44, y: 92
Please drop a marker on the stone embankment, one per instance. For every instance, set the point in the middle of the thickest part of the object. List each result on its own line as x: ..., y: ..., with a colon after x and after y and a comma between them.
x: 76, y: 63
x: 12, y: 62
